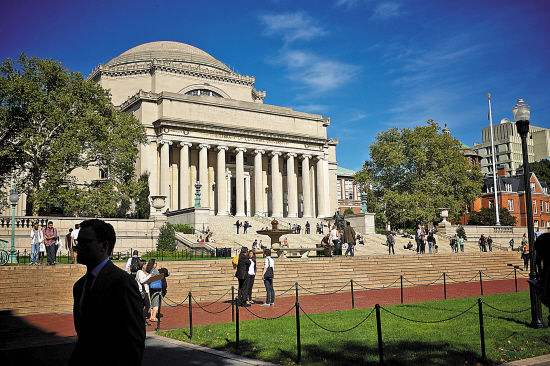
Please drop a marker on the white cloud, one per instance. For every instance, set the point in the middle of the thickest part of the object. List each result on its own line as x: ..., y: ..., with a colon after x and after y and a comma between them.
x: 315, y: 73
x: 346, y: 4
x: 386, y: 10
x: 292, y: 26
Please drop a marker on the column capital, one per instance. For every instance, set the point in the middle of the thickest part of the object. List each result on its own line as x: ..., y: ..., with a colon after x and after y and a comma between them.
x: 222, y: 147
x: 185, y: 143
x: 167, y: 142
x: 204, y: 146
x: 305, y: 156
x: 240, y: 149
x: 319, y: 157
x: 291, y: 155
x: 259, y: 151
x: 275, y: 153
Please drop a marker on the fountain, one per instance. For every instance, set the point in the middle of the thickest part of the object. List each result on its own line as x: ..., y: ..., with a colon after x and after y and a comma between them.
x: 275, y: 233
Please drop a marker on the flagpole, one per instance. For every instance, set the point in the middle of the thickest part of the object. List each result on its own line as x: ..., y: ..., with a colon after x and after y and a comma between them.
x: 495, y: 188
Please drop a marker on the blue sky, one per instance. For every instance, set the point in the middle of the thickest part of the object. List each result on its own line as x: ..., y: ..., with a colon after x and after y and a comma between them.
x: 367, y: 64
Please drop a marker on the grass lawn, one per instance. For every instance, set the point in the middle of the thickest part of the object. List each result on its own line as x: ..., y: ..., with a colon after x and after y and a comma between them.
x: 454, y: 342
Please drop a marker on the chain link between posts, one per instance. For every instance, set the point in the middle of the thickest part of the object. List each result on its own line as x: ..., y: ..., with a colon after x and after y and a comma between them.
x: 429, y: 321
x: 337, y: 330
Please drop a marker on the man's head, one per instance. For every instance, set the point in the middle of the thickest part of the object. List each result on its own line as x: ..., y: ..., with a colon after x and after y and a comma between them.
x: 70, y: 230
x: 96, y: 241
x: 77, y: 226
x: 50, y: 224
x: 135, y: 253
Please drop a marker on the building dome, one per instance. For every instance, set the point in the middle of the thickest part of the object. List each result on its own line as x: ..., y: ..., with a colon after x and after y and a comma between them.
x: 167, y: 51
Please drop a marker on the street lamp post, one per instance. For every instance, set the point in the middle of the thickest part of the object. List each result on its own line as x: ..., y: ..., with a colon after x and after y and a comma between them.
x: 522, y: 114
x: 14, y: 198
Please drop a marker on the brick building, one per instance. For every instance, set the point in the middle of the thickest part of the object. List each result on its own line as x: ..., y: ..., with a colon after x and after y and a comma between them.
x: 510, y: 195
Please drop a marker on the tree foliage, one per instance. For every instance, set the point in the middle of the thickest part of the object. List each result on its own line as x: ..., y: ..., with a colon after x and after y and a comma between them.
x: 541, y: 170
x: 487, y: 217
x: 413, y: 172
x: 52, y: 122
x: 167, y: 238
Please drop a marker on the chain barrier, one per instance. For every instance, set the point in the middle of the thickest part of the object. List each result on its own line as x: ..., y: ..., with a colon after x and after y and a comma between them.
x: 211, y: 312
x: 423, y: 284
x: 429, y: 321
x: 174, y: 303
x: 506, y: 311
x: 284, y: 292
x: 221, y: 297
x: 376, y: 288
x: 337, y: 330
x: 266, y: 318
x: 523, y: 275
x: 476, y: 277
x: 323, y: 293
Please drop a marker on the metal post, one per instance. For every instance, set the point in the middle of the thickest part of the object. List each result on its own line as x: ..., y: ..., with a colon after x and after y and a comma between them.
x: 522, y: 127
x: 352, y: 296
x: 444, y: 285
x: 232, y: 304
x: 190, y: 316
x: 481, y: 329
x: 158, y: 313
x: 296, y: 287
x: 480, y: 283
x: 401, y: 289
x: 298, y: 339
x: 237, y: 337
x: 13, y: 258
x: 516, y: 277
x: 379, y: 331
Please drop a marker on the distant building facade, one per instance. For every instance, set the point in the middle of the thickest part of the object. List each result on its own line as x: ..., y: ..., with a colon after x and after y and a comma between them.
x: 347, y: 191
x: 508, y: 147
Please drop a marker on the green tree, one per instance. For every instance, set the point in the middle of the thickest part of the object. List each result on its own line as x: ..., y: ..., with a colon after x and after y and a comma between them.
x: 486, y: 217
x: 415, y: 171
x: 167, y: 238
x: 52, y: 122
x: 541, y: 170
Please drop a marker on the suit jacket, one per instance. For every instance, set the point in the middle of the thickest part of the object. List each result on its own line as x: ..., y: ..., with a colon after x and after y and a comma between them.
x: 109, y: 320
x: 242, y: 267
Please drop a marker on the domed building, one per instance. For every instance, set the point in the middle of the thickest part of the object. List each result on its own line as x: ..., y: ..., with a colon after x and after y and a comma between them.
x: 206, y: 123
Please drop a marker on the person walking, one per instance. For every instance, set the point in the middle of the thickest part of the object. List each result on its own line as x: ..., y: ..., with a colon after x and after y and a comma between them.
x: 490, y: 243
x: 349, y: 237
x: 242, y: 272
x: 107, y: 309
x: 69, y: 245
x: 431, y: 242
x: 246, y: 225
x: 251, y: 277
x: 308, y: 227
x: 390, y: 240
x: 238, y: 225
x: 334, y: 238
x: 37, y: 239
x: 418, y: 239
x: 482, y: 243
x: 50, y: 241
x: 133, y: 263
x: 511, y: 244
x: 460, y: 244
x: 268, y: 275
x: 155, y: 289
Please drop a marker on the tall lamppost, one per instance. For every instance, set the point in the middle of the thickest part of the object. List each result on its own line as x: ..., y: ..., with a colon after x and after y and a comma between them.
x: 522, y: 114
x: 14, y: 198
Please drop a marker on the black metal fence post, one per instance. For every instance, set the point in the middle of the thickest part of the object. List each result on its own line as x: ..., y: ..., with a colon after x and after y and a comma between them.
x: 232, y: 304
x: 401, y: 289
x: 445, y: 285
x: 481, y: 329
x: 352, y: 296
x: 298, y: 339
x: 237, y: 336
x: 158, y: 313
x: 516, y: 278
x: 379, y: 331
x: 190, y: 315
x: 481, y: 283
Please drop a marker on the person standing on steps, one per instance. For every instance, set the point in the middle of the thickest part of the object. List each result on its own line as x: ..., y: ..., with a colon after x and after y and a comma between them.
x: 525, y: 255
x: 490, y: 243
x: 268, y: 275
x: 242, y: 272
x: 250, y: 277
x: 390, y: 239
x: 238, y: 225
x: 308, y: 227
x: 349, y: 237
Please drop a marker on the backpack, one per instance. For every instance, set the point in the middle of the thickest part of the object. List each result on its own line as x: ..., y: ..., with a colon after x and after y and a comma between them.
x: 134, y: 265
x: 235, y: 261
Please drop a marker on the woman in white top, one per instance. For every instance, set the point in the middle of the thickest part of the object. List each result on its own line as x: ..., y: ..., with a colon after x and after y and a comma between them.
x: 37, y: 238
x: 251, y: 276
x: 268, y: 274
x: 142, y: 278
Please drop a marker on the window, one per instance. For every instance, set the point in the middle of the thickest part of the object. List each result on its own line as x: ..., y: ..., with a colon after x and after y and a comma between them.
x: 338, y: 188
x: 541, y: 206
x: 490, y: 204
x: 510, y: 205
x: 536, y: 223
x: 348, y: 189
x: 535, y: 206
x: 203, y: 92
x: 508, y: 187
x: 532, y: 187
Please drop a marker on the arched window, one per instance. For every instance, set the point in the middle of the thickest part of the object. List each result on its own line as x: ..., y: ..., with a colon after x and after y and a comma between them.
x: 203, y: 92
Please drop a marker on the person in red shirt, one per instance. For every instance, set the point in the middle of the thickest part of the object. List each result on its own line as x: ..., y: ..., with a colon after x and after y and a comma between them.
x: 50, y: 240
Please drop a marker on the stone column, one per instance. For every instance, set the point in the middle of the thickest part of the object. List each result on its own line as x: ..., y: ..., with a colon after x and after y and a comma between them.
x: 248, y: 210
x: 184, y: 175
x: 165, y: 171
x: 239, y: 181
x: 152, y: 168
x: 203, y: 174
x: 291, y: 186
x: 321, y: 198
x: 313, y: 187
x: 221, y: 182
x: 276, y: 186
x: 259, y: 209
x: 326, y: 186
x: 306, y: 190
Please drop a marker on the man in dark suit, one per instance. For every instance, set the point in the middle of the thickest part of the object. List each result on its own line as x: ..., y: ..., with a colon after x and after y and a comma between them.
x: 107, y: 310
x: 241, y: 274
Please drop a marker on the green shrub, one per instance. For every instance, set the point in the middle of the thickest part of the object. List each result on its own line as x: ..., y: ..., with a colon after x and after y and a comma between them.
x: 167, y: 238
x: 348, y: 211
x: 184, y: 228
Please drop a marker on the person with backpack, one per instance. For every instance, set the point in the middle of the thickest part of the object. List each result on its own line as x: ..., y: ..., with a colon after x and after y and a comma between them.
x: 268, y: 274
x: 133, y: 264
x: 242, y: 272
x: 155, y: 289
